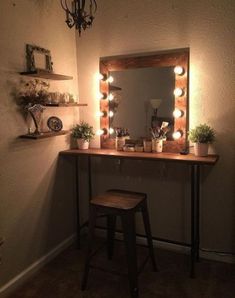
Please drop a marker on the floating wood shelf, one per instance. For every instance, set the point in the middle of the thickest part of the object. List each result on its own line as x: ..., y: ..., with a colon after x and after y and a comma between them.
x: 66, y: 104
x: 46, y: 75
x: 44, y: 135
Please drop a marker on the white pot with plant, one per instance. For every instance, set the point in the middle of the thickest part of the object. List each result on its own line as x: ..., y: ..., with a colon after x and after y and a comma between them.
x: 83, y: 133
x: 202, y: 135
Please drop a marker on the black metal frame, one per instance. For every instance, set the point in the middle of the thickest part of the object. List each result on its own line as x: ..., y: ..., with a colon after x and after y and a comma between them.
x: 195, y: 212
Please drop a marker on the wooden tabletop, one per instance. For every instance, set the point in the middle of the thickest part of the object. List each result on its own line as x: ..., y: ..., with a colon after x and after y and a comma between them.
x: 164, y: 156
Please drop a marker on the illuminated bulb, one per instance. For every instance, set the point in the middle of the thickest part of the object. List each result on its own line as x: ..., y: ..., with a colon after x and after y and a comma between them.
x: 179, y: 70
x: 102, y: 96
x: 177, y: 135
x: 110, y: 79
x: 111, y: 130
x: 100, y: 76
x: 110, y: 97
x: 100, y: 114
x: 99, y: 132
x: 177, y: 113
x: 178, y: 92
x: 111, y: 113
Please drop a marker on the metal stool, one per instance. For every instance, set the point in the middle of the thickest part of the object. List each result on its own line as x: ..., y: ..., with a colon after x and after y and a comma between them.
x: 124, y: 204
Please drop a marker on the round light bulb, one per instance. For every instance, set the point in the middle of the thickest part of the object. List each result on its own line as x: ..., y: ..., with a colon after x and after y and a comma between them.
x: 100, y: 132
x: 111, y: 113
x: 178, y: 92
x: 177, y: 135
x: 100, y: 76
x: 110, y: 79
x: 111, y: 130
x: 179, y: 70
x: 177, y: 113
x: 102, y: 96
x: 100, y: 114
x: 110, y: 97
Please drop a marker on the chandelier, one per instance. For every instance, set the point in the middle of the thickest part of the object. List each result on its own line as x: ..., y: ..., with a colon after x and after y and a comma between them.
x: 79, y: 14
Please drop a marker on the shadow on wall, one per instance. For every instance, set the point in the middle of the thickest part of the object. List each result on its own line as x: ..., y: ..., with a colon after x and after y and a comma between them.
x: 53, y: 211
x: 167, y: 187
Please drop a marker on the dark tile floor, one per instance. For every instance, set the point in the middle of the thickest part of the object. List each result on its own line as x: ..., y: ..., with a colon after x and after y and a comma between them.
x: 62, y: 277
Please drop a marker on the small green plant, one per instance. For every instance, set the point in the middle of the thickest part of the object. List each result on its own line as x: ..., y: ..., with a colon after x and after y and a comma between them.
x: 202, y: 133
x: 83, y: 131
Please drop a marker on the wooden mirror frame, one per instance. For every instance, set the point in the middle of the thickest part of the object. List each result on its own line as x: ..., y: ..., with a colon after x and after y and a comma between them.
x: 179, y: 57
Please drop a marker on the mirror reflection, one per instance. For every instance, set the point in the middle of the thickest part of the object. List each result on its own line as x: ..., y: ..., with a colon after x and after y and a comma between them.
x: 142, y: 98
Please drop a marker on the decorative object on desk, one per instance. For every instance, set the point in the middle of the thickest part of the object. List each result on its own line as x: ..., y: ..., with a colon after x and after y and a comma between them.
x: 202, y: 135
x: 147, y: 145
x: 83, y: 132
x: 79, y: 14
x: 158, y: 136
x: 54, y: 123
x: 31, y: 92
x: 157, y: 145
x: 38, y: 58
x: 122, y: 135
x: 36, y: 113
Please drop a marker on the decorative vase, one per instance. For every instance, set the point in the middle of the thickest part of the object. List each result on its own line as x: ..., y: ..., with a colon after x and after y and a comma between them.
x: 157, y: 145
x: 82, y: 144
x: 201, y: 149
x: 36, y: 112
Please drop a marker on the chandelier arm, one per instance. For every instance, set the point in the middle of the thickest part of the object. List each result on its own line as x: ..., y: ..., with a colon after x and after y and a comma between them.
x: 95, y: 5
x: 65, y: 5
x: 83, y: 4
x: 62, y: 5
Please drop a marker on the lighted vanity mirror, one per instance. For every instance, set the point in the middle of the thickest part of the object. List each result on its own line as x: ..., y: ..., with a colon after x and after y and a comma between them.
x: 145, y: 91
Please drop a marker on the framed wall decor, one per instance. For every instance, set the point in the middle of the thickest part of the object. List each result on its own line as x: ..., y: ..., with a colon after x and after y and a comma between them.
x: 38, y: 58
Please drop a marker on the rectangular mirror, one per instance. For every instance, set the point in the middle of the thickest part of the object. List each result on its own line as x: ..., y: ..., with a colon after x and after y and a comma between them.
x: 144, y: 92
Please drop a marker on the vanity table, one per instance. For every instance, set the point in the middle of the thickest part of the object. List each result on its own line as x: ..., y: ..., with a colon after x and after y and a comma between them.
x: 195, y: 163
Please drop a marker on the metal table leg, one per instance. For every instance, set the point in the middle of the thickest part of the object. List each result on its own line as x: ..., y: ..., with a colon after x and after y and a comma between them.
x: 89, y: 177
x: 77, y: 201
x: 197, y: 224
x: 195, y: 216
x: 192, y: 221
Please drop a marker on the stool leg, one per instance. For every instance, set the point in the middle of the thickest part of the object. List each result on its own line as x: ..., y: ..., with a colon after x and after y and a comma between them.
x: 111, y: 224
x: 91, y: 233
x: 128, y: 224
x: 147, y: 227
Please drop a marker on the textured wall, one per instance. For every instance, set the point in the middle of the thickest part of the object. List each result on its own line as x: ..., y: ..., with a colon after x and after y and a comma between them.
x: 36, y: 196
x: 208, y: 28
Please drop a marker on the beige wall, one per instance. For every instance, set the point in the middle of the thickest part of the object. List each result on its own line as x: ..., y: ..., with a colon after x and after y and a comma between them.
x: 37, y: 210
x: 208, y: 28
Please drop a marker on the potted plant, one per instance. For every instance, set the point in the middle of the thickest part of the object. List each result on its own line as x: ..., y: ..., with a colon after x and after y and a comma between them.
x: 202, y: 135
x: 83, y: 132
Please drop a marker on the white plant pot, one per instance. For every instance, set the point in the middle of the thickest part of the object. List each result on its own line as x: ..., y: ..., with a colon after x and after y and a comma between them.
x: 201, y: 149
x: 82, y: 144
